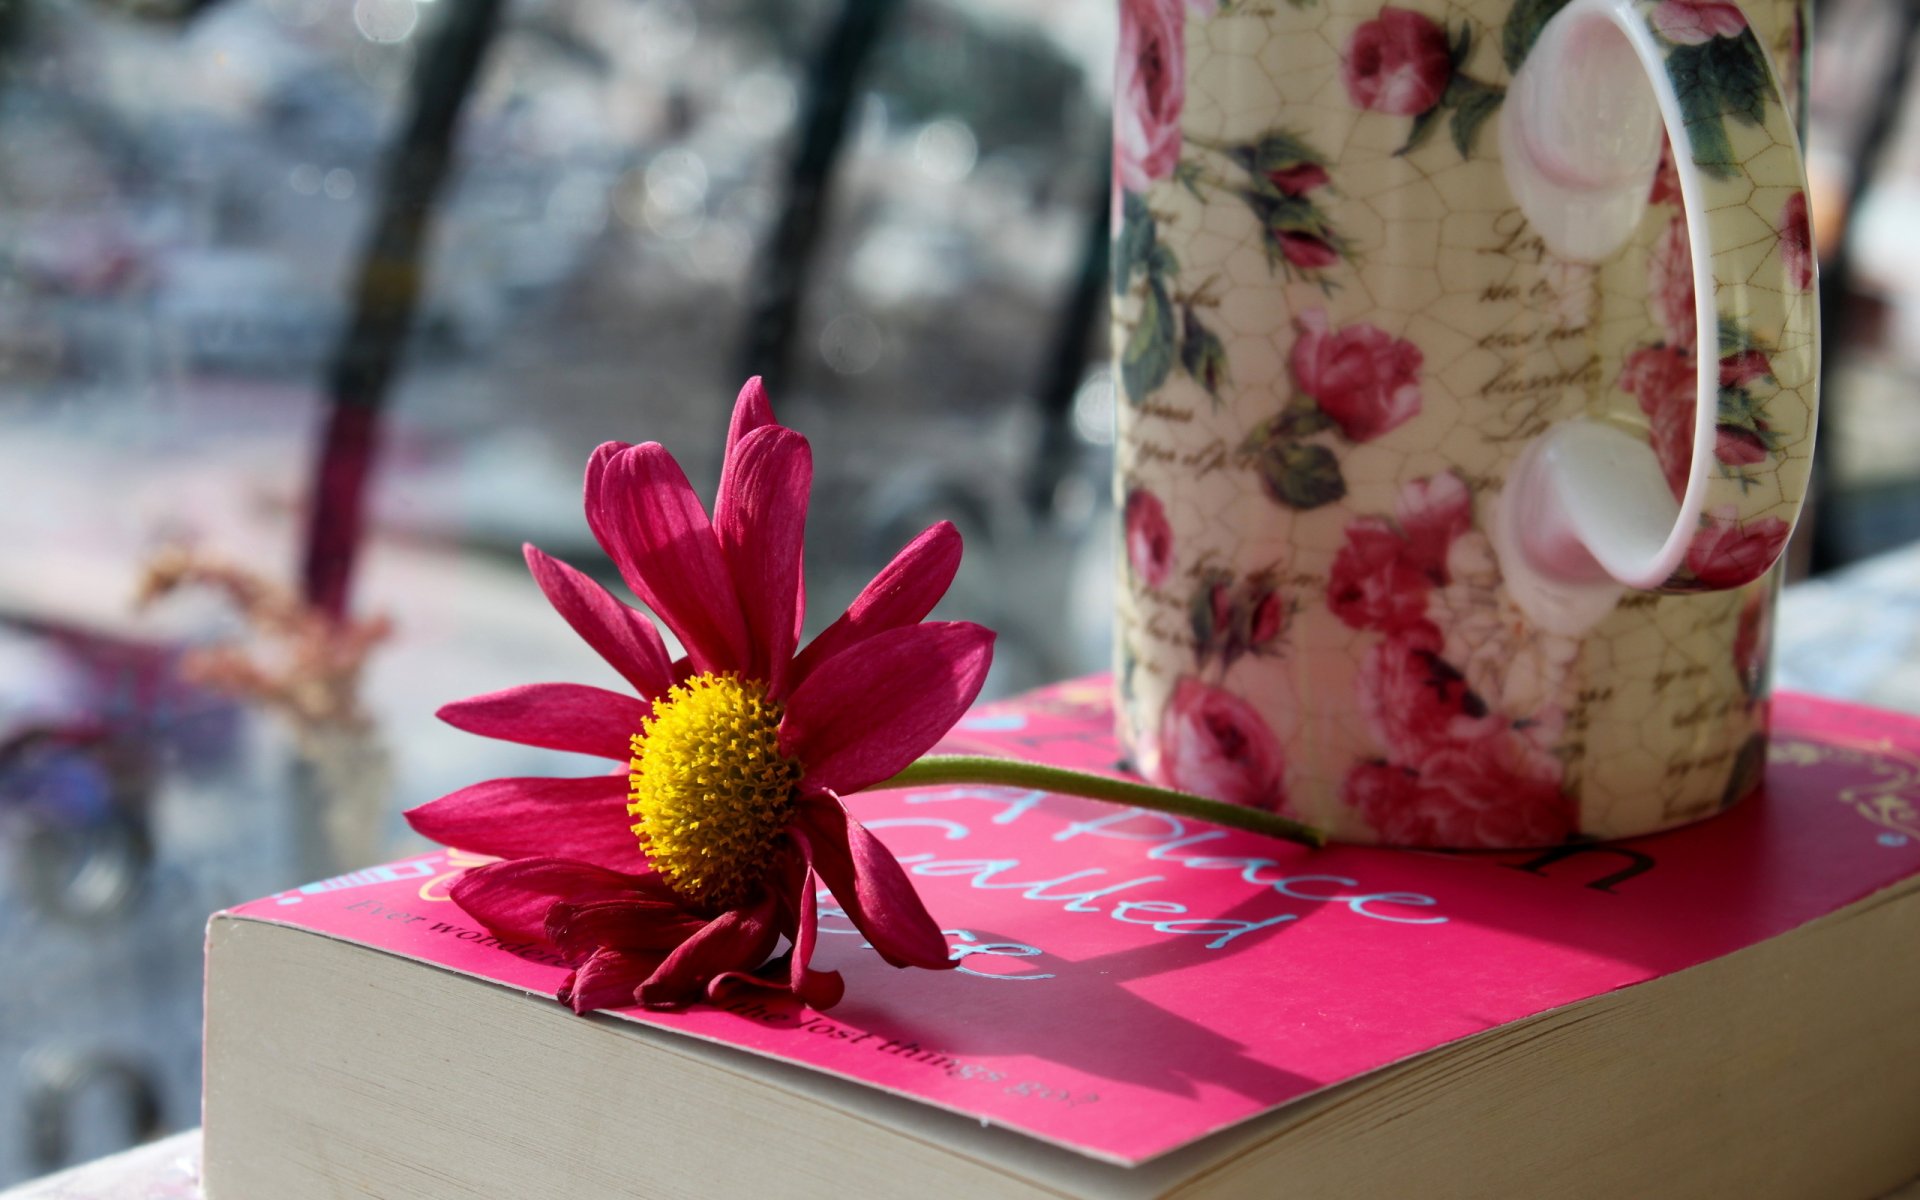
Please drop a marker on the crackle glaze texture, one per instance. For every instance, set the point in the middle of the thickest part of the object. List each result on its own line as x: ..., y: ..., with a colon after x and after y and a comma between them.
x: 1334, y: 333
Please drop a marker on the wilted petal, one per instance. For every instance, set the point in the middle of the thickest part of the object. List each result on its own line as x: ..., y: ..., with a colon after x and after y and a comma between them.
x: 512, y: 898
x: 583, y: 819
x: 760, y: 519
x: 736, y: 940
x: 579, y: 929
x: 867, y: 880
x: 903, y: 593
x: 645, y: 514
x: 553, y: 716
x: 866, y: 713
x: 609, y: 979
x: 821, y: 989
x: 625, y: 638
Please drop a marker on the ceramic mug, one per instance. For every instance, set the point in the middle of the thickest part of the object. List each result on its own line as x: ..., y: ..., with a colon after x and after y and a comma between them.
x: 1467, y: 363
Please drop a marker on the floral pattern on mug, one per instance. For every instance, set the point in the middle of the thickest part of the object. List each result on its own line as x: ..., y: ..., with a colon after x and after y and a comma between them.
x: 1796, y: 241
x: 1726, y: 552
x: 1149, y: 538
x: 1358, y: 381
x: 1454, y: 772
x: 1720, y: 74
x: 1213, y: 743
x: 1693, y: 22
x: 1149, y: 92
x: 1402, y: 63
x: 1279, y: 177
x: 1230, y: 619
x: 1663, y: 377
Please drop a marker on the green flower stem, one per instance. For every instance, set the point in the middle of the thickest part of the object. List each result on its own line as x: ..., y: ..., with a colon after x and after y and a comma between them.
x: 1008, y: 772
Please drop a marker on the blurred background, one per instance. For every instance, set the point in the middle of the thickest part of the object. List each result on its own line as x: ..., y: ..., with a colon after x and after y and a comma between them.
x: 311, y: 311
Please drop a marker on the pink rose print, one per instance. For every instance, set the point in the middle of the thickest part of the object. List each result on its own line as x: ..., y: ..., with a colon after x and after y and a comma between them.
x: 1305, y: 251
x: 1149, y: 92
x: 1670, y: 285
x: 1738, y: 447
x: 1213, y: 743
x: 1269, y: 619
x: 1373, y: 583
x: 1298, y: 180
x: 1691, y: 22
x: 1414, y: 700
x: 1381, y: 576
x: 1397, y: 63
x: 1666, y: 383
x: 1796, y: 241
x: 1432, y: 512
x: 1726, y: 553
x: 1149, y: 538
x: 1743, y: 367
x: 1363, y: 378
x: 1493, y: 791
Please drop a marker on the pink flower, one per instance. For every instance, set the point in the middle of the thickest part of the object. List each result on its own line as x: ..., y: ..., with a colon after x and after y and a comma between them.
x: 1149, y: 538
x: 1305, y: 251
x: 1269, y: 619
x: 1432, y: 512
x: 1363, y: 378
x: 1374, y: 584
x: 1726, y: 553
x: 1493, y: 791
x: 1298, y: 180
x: 1738, y: 447
x: 1413, y: 699
x: 1670, y: 286
x: 1214, y: 744
x: 1381, y: 576
x: 1796, y: 241
x: 1666, y: 382
x: 680, y: 871
x: 1149, y: 92
x: 1691, y: 22
x: 1743, y: 367
x: 1397, y: 63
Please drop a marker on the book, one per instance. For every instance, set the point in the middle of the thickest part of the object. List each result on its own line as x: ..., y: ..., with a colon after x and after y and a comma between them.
x: 1143, y: 1007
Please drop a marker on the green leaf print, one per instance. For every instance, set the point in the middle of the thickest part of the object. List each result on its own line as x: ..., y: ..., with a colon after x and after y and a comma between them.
x: 1148, y: 357
x: 1300, y: 474
x: 1522, y: 30
x: 1202, y: 354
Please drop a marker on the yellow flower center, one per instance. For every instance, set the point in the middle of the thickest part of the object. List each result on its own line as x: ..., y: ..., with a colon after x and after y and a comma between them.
x: 710, y: 788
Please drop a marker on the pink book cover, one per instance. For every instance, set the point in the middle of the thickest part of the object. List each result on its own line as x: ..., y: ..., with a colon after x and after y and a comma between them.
x: 1129, y: 982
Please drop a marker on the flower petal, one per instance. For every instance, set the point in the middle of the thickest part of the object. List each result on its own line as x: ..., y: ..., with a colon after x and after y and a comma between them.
x: 553, y: 716
x: 760, y: 518
x: 583, y: 819
x: 622, y: 636
x: 645, y: 514
x: 737, y: 940
x: 903, y: 593
x: 867, y: 712
x: 821, y: 989
x: 609, y: 979
x: 580, y: 929
x: 751, y: 411
x: 867, y: 880
x: 513, y: 898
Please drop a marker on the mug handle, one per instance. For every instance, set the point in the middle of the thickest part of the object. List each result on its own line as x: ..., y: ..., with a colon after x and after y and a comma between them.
x: 1588, y: 508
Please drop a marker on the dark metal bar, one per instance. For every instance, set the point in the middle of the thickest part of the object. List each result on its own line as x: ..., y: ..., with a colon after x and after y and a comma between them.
x: 384, y: 298
x: 832, y: 82
x: 1836, y: 282
x: 1067, y: 357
